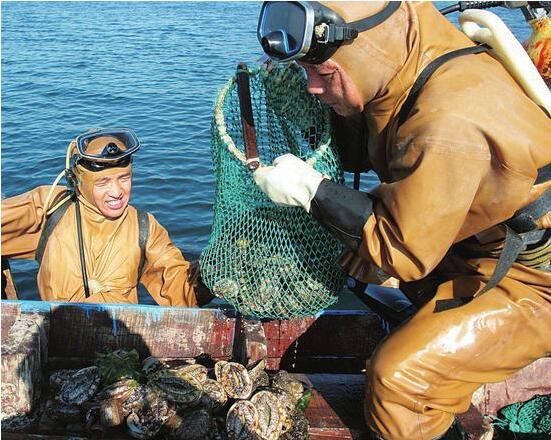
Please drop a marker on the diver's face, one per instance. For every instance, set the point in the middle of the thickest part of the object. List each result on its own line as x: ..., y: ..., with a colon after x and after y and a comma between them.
x: 111, y: 193
x: 334, y: 87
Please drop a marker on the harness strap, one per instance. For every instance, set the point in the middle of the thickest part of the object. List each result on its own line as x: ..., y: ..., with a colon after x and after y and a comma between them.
x: 53, y: 220
x: 520, y: 232
x: 426, y: 74
x: 525, y: 219
x: 512, y: 247
x: 143, y: 226
x: 51, y: 223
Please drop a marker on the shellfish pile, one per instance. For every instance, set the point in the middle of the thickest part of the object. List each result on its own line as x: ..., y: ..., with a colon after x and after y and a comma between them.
x: 192, y: 399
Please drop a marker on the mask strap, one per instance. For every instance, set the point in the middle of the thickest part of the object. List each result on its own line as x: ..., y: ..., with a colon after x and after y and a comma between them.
x: 375, y: 20
x: 332, y: 33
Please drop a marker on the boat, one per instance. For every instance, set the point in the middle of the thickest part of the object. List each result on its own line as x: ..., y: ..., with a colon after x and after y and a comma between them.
x: 328, y: 352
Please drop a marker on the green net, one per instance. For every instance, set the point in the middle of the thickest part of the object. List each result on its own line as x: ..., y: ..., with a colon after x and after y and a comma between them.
x: 270, y: 261
x: 526, y: 420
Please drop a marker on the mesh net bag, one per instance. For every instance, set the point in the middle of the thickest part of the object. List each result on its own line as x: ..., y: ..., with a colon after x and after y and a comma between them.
x: 270, y: 261
x: 526, y: 420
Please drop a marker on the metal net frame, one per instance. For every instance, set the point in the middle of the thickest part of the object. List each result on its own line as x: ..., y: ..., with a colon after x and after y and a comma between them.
x: 266, y: 260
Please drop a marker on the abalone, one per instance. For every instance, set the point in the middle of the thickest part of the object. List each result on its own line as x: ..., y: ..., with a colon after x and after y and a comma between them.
x: 80, y: 387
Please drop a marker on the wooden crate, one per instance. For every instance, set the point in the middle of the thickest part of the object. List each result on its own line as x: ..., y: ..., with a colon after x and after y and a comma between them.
x: 328, y: 352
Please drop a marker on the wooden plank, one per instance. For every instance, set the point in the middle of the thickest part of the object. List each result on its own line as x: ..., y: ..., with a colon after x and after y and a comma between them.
x: 24, y: 355
x: 334, y: 434
x: 336, y: 407
x: 81, y: 330
x: 531, y: 380
x: 250, y: 341
x: 21, y: 436
x: 302, y: 345
x: 9, y: 289
x: 9, y: 313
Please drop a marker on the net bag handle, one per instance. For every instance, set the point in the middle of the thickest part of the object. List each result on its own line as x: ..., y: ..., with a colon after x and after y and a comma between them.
x: 226, y: 139
x: 247, y: 120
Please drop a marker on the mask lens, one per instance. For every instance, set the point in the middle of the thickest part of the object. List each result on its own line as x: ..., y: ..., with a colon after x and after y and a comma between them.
x: 107, y: 144
x: 282, y: 29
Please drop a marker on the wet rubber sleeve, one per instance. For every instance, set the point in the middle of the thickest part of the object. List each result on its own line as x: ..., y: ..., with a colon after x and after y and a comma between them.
x: 342, y: 210
x: 168, y: 276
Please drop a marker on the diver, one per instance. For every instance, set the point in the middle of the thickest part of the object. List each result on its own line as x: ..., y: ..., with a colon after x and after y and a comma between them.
x: 462, y: 214
x: 91, y: 245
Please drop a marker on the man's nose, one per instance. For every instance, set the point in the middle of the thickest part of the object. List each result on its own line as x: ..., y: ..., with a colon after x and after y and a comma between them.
x: 315, y: 84
x: 115, y: 190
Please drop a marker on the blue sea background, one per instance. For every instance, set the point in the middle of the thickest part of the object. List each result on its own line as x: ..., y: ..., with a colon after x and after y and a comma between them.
x: 153, y: 66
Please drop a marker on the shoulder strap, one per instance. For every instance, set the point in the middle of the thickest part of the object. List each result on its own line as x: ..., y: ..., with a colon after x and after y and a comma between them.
x: 51, y: 223
x: 143, y: 226
x: 426, y: 74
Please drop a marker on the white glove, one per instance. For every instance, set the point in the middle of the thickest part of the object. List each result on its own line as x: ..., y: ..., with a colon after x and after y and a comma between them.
x: 289, y: 181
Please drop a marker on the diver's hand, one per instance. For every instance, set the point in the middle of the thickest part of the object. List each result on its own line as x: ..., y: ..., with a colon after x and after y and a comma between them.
x: 289, y: 181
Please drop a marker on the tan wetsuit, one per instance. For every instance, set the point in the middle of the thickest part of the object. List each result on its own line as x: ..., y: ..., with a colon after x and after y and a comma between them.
x: 111, y: 249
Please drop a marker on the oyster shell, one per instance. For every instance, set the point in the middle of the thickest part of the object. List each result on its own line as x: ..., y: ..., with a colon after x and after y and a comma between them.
x: 91, y: 415
x: 197, y: 371
x: 134, y: 400
x: 299, y: 427
x: 80, y: 387
x: 20, y: 422
x: 151, y: 365
x: 61, y: 412
x: 121, y: 389
x: 271, y: 414
x: 59, y: 377
x: 193, y: 425
x: 284, y: 381
x: 226, y: 288
x: 238, y: 382
x: 234, y: 378
x: 111, y: 412
x: 183, y: 390
x: 288, y: 404
x: 214, y: 396
x: 146, y: 421
x: 242, y: 421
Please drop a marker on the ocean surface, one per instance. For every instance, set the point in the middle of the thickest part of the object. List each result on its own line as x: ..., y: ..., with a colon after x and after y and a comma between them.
x: 153, y: 66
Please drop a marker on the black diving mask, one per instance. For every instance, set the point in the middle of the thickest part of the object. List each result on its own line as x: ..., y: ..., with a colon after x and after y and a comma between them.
x: 98, y: 149
x: 309, y: 31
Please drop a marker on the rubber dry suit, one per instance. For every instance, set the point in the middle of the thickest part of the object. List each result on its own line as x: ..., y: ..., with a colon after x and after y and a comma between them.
x: 465, y: 160
x: 111, y: 249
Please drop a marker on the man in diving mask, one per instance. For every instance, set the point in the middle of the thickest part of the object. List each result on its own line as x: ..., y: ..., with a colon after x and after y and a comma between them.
x: 91, y: 245
x: 461, y: 216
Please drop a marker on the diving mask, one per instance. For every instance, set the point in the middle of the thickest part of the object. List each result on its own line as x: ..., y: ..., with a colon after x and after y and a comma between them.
x: 309, y: 31
x: 99, y: 149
